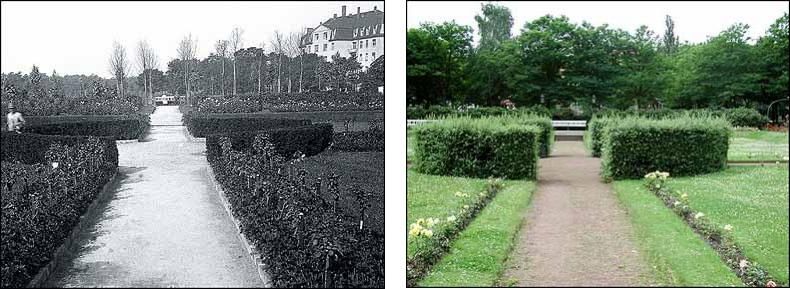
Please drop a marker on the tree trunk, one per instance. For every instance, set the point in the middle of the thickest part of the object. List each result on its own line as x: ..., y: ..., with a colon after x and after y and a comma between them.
x: 222, y: 82
x: 279, y: 74
x: 234, y: 76
x: 145, y: 87
x: 301, y: 69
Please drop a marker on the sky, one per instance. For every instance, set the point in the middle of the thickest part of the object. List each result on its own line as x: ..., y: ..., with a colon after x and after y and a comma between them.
x: 694, y: 21
x: 77, y: 37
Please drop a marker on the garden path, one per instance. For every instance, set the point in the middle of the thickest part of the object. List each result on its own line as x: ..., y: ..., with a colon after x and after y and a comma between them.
x: 575, y: 232
x: 164, y: 225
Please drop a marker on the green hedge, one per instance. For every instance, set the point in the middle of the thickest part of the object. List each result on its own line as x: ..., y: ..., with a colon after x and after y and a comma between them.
x: 596, y: 127
x: 546, y: 138
x: 31, y: 148
x: 310, y: 140
x: 682, y: 146
x: 202, y: 125
x: 477, y: 148
x: 742, y: 116
x: 124, y: 127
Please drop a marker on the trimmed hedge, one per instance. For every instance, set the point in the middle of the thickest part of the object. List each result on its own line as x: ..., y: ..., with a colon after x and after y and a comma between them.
x: 310, y: 140
x: 202, y: 125
x: 742, y: 116
x: 120, y: 127
x: 42, y: 203
x: 32, y: 148
x: 370, y: 140
x: 596, y: 127
x: 546, y: 137
x: 478, y: 148
x: 682, y: 146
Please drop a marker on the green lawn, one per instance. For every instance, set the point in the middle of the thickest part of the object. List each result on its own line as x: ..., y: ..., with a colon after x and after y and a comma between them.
x: 754, y: 200
x: 676, y: 254
x: 430, y: 196
x: 476, y: 258
x: 758, y: 146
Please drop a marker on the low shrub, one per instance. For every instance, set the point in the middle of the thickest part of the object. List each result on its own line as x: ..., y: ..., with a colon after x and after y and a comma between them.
x: 201, y: 125
x: 371, y: 139
x: 745, y: 117
x: 311, y: 232
x: 31, y: 148
x: 124, y: 127
x: 309, y: 140
x: 43, y: 201
x: 682, y: 146
x: 477, y: 148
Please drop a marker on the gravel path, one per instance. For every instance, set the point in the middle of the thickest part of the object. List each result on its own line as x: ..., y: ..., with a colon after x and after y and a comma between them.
x: 575, y: 232
x: 164, y: 226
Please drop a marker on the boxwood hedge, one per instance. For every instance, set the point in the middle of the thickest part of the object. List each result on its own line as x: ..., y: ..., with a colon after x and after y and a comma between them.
x: 682, y: 146
x: 31, y: 148
x: 201, y: 125
x: 546, y: 138
x: 121, y: 127
x: 310, y: 140
x: 596, y: 127
x: 477, y: 148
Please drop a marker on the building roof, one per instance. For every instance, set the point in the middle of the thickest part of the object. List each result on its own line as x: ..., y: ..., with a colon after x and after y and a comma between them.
x: 344, y: 26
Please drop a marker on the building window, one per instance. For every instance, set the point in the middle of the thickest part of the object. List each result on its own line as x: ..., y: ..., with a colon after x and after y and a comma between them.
x: 374, y: 56
x: 324, y: 46
x: 374, y: 42
x: 325, y: 36
x: 316, y: 48
x: 366, y: 43
x: 354, y: 44
x: 366, y: 57
x: 316, y: 36
x: 333, y: 46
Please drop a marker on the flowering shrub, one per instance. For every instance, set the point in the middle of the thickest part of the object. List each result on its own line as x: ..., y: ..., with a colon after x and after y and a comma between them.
x: 43, y: 200
x: 719, y: 238
x: 431, y: 237
x: 311, y: 232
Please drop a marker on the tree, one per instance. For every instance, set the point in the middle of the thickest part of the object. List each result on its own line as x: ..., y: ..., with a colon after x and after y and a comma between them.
x: 296, y: 41
x: 436, y: 56
x: 119, y: 67
x: 775, y: 51
x: 187, y: 49
x: 221, y: 49
x: 670, y: 39
x: 494, y: 25
x: 278, y: 43
x: 146, y: 60
x: 236, y: 41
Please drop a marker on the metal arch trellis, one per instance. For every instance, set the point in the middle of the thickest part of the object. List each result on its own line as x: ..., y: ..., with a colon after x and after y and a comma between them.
x: 768, y: 114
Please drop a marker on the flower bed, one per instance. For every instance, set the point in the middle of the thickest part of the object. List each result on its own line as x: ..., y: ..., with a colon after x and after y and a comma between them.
x: 44, y: 197
x: 307, y: 236
x: 477, y: 148
x: 719, y: 238
x: 682, y: 146
x: 430, y: 238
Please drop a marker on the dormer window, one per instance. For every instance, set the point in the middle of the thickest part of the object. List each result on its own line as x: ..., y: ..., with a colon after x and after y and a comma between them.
x: 316, y: 36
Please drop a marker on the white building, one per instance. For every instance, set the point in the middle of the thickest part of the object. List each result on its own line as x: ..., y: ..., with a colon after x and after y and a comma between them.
x: 360, y: 35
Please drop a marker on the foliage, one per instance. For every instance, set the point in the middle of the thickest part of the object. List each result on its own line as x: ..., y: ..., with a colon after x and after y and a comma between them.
x: 325, y: 101
x: 31, y: 148
x: 305, y: 233
x: 681, y: 146
x: 203, y: 124
x: 719, y: 237
x: 309, y: 140
x: 371, y: 139
x: 435, y: 55
x: 477, y: 148
x: 430, y: 239
x: 43, y: 200
x: 123, y: 127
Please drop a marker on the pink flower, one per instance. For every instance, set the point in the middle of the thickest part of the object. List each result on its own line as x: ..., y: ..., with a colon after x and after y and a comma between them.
x: 770, y: 284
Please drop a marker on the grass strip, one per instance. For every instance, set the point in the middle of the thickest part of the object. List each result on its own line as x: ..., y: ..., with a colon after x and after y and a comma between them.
x: 676, y: 254
x: 433, y: 228
x: 477, y: 257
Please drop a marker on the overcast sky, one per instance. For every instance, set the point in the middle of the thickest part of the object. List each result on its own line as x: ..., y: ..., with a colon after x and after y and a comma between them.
x: 76, y: 37
x: 694, y: 21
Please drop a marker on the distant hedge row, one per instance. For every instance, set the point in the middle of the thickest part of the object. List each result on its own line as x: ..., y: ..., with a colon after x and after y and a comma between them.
x: 309, y: 140
x: 202, y: 125
x: 634, y: 146
x: 47, y: 184
x: 120, y: 127
x: 477, y: 148
x: 746, y: 117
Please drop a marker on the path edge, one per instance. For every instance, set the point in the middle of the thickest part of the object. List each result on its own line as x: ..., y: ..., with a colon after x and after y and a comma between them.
x: 254, y: 253
x: 68, y: 245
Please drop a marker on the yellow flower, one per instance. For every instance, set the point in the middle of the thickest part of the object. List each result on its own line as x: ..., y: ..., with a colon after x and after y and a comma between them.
x: 427, y: 233
x: 414, y: 231
x: 421, y: 222
x: 451, y: 218
x: 466, y: 207
x: 459, y: 194
x: 684, y: 196
x: 698, y: 215
x: 728, y: 227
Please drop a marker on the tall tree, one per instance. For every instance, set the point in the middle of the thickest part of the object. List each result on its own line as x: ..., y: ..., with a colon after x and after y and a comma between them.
x: 187, y: 49
x: 494, y: 25
x: 296, y: 43
x: 221, y: 49
x: 278, y: 44
x: 236, y: 41
x: 119, y: 67
x: 671, y: 41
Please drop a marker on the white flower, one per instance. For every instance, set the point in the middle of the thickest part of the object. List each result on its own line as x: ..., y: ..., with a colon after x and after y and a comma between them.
x: 684, y: 196
x: 728, y: 227
x: 427, y: 233
x: 743, y: 264
x: 698, y: 215
x: 451, y: 218
x: 460, y: 194
x: 55, y: 165
x: 466, y: 207
x: 676, y: 203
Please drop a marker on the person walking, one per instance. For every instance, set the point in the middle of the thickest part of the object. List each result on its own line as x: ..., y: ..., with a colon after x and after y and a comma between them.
x: 14, y: 119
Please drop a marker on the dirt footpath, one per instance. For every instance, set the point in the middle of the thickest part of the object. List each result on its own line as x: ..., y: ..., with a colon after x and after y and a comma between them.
x: 575, y: 232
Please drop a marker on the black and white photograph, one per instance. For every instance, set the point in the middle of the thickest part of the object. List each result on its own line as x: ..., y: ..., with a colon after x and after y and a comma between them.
x: 192, y: 144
